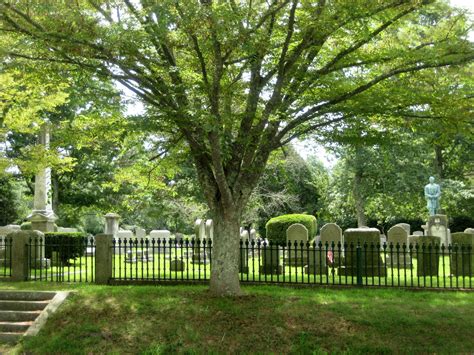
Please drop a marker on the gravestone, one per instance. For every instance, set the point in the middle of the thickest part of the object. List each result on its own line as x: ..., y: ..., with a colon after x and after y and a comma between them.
x: 253, y: 235
x: 270, y: 255
x: 331, y: 235
x: 37, y: 252
x: 177, y: 265
x: 397, y: 252
x: 296, y: 253
x: 438, y: 227
x: 10, y: 228
x: 67, y: 230
x: 427, y: 254
x: 462, y: 254
x: 370, y: 262
x: 5, y: 243
x: 200, y: 251
x: 55, y: 259
x: 210, y: 229
x: 200, y: 229
x: 245, y: 247
x: 209, y: 235
x: 418, y: 233
x: 469, y: 230
x: 405, y: 226
x: 124, y: 242
x: 160, y: 241
x: 140, y: 233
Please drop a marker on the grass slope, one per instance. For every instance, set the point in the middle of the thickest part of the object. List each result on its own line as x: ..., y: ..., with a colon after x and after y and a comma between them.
x: 186, y: 319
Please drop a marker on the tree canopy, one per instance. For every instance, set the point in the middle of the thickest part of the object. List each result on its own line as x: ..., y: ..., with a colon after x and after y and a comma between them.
x: 237, y: 80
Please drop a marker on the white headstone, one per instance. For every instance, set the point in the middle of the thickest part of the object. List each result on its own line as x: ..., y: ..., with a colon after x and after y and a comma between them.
x: 10, y: 228
x: 253, y: 234
x: 160, y: 234
x: 140, y: 233
x: 297, y: 232
x: 438, y: 227
x: 67, y: 230
x: 210, y: 229
x: 397, y: 234
x: 418, y: 233
x: 405, y: 226
x: 200, y: 228
x: 330, y: 233
x: 469, y: 230
x: 244, y: 236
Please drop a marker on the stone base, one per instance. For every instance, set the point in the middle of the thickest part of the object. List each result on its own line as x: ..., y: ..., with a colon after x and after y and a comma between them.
x: 42, y: 263
x: 315, y: 270
x: 202, y: 259
x: 244, y: 269
x: 271, y: 269
x: 368, y: 271
x: 177, y: 265
x: 400, y: 262
x: 295, y: 262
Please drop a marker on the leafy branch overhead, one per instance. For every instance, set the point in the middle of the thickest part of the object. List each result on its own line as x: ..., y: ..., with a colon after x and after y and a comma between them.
x: 239, y: 79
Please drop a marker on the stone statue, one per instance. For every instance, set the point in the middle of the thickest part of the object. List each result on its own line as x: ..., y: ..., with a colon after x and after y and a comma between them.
x: 432, y: 194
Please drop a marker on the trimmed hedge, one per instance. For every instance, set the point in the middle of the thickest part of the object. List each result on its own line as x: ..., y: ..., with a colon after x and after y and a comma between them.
x: 68, y: 245
x: 277, y: 226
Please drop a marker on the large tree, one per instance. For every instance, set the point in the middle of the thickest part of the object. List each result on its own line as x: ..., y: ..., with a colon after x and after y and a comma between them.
x: 238, y: 79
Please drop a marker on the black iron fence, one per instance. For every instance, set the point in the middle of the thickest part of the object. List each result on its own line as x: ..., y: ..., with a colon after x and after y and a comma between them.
x: 61, y: 259
x: 413, y: 265
x: 5, y: 257
x: 161, y: 259
x: 419, y: 265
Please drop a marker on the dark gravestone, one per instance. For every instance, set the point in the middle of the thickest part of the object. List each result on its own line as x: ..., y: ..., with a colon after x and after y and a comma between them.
x: 370, y: 262
x: 462, y: 256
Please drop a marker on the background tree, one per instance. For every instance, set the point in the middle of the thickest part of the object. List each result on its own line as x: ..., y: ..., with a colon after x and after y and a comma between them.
x: 238, y: 80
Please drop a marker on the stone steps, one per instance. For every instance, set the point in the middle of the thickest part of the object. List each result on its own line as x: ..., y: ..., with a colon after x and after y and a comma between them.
x: 24, y: 312
x: 12, y: 305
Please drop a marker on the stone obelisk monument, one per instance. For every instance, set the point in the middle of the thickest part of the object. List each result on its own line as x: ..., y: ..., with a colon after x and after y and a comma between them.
x: 42, y: 217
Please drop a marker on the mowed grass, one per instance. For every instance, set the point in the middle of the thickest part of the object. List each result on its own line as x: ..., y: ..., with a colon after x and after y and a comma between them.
x: 267, y: 319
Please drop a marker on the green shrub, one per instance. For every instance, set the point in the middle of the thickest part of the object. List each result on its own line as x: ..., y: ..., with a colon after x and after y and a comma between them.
x: 68, y: 245
x: 26, y: 226
x: 277, y: 226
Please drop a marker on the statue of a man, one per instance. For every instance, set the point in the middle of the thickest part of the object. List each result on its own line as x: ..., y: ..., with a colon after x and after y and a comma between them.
x: 432, y: 194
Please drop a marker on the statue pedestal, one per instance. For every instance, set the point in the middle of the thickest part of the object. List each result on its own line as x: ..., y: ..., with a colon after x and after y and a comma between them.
x: 438, y: 227
x: 42, y: 221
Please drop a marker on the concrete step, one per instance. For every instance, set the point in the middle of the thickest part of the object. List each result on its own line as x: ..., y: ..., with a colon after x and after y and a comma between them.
x: 14, y: 327
x: 26, y: 295
x: 18, y: 316
x: 10, y: 337
x: 14, y: 305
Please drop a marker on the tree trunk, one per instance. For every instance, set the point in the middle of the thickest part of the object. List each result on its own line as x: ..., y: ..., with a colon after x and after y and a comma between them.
x: 359, y: 201
x: 225, y: 254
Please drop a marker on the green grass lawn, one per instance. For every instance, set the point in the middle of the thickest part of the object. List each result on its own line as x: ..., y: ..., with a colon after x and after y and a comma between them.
x: 267, y: 319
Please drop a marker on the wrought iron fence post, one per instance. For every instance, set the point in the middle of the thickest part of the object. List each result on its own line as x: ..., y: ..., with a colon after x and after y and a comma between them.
x: 103, y: 258
x: 359, y: 264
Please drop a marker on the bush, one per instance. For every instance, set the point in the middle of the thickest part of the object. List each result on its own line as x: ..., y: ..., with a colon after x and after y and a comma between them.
x: 26, y: 226
x: 68, y: 245
x: 277, y: 226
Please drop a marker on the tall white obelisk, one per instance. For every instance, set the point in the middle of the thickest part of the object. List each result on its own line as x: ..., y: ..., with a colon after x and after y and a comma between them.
x: 42, y: 217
